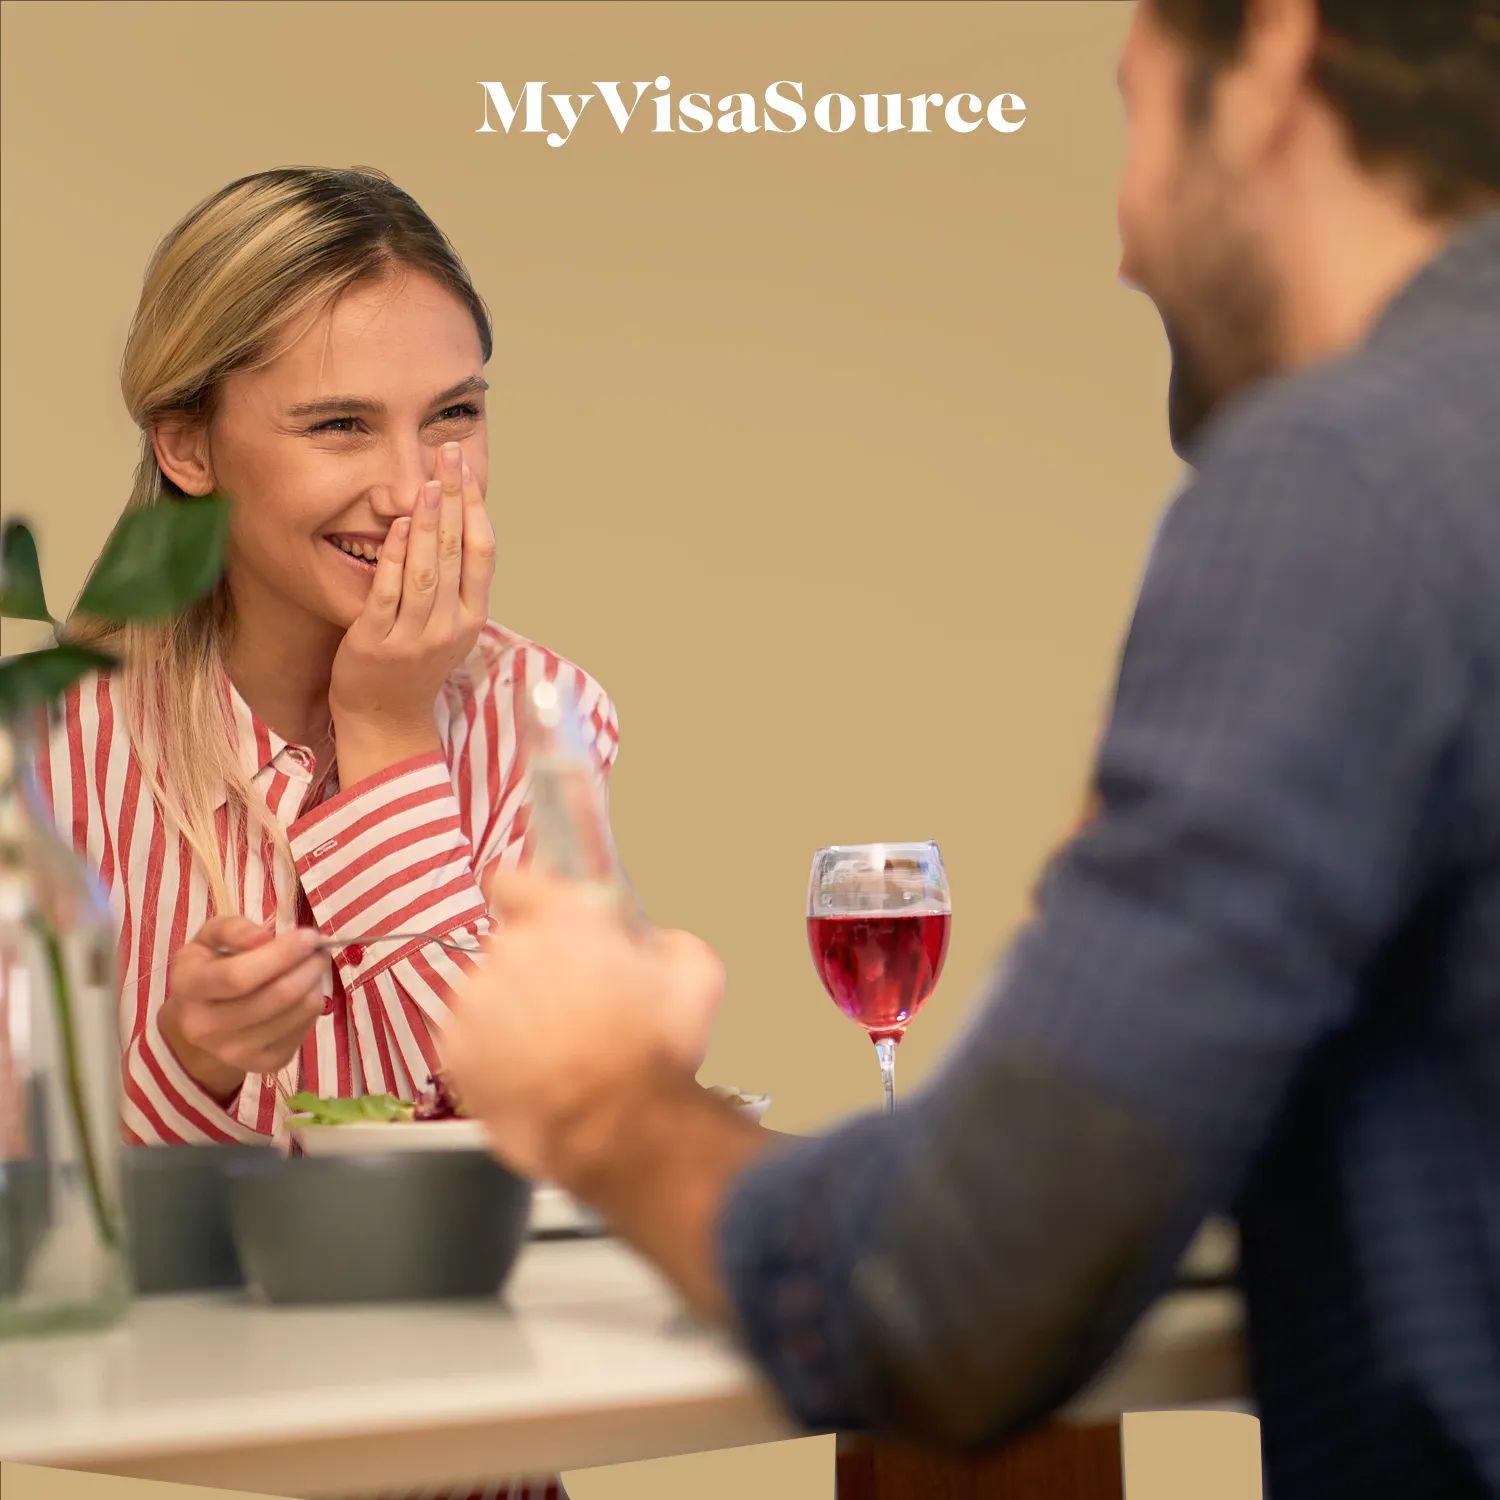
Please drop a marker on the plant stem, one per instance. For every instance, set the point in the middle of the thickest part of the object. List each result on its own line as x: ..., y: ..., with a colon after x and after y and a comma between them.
x: 108, y: 1229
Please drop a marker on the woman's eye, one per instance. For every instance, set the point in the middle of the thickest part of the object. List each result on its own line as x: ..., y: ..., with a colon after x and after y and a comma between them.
x: 460, y: 411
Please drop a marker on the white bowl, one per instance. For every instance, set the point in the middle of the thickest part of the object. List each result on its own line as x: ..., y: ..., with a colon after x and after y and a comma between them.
x: 557, y: 1212
x: 361, y: 1137
x: 752, y: 1106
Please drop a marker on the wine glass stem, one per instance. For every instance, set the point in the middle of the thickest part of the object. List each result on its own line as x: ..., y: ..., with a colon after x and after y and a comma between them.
x: 885, y: 1050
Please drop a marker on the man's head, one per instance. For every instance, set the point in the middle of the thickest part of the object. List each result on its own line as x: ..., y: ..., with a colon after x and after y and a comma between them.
x: 1253, y: 121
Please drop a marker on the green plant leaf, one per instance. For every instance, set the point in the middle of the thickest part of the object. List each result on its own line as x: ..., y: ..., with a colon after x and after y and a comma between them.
x: 157, y: 561
x: 40, y: 676
x: 21, y: 596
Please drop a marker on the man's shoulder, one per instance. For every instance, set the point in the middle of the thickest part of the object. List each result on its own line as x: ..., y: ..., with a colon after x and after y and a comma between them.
x: 1398, y: 443
x: 1352, y: 493
x: 1416, y: 419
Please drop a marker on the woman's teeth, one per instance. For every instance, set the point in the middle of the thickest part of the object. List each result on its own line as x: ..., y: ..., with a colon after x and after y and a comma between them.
x: 367, y: 551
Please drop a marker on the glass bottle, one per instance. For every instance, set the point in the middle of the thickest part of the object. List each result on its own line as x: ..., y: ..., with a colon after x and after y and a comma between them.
x: 571, y: 836
x: 62, y: 1252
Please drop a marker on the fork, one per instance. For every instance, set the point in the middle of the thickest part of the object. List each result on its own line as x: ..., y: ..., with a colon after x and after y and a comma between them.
x: 363, y: 940
x: 328, y: 945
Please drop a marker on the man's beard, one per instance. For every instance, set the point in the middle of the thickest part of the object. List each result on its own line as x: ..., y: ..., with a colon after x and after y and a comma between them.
x: 1191, y: 399
x: 1220, y: 320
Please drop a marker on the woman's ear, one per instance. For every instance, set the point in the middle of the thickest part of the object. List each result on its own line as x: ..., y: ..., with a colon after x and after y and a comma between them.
x: 182, y: 454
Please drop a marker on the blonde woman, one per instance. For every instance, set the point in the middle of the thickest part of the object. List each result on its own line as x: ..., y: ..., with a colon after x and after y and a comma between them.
x: 325, y: 746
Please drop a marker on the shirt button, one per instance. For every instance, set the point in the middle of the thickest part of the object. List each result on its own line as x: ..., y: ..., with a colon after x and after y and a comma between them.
x: 328, y: 1006
x: 354, y: 953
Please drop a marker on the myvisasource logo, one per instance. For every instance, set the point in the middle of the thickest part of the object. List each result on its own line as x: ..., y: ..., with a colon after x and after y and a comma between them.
x: 781, y: 108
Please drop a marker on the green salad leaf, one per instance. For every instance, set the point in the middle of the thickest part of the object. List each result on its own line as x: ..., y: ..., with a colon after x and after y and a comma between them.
x: 368, y: 1108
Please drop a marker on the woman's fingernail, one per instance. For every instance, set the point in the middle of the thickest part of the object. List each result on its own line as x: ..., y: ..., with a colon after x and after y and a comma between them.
x: 468, y: 473
x: 432, y: 494
x: 453, y: 457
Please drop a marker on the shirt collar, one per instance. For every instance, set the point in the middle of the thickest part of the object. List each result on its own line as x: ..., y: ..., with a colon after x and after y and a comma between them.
x: 256, y: 743
x: 259, y: 747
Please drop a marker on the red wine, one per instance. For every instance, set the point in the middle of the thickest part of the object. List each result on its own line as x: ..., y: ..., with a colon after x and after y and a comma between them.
x: 880, y: 969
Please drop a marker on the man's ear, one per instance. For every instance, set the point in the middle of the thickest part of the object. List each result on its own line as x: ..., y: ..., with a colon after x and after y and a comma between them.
x: 182, y: 454
x: 1260, y: 93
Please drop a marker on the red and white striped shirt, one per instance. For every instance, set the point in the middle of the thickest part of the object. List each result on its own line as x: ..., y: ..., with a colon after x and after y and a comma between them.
x: 404, y: 850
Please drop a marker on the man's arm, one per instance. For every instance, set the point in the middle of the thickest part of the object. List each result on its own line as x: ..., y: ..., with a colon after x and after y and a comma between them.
x: 656, y: 1155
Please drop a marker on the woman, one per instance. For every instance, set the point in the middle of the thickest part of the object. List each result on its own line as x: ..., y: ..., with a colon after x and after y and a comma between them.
x: 325, y: 746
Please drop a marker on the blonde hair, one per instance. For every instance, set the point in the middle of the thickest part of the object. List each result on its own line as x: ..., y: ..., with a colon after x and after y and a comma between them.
x: 220, y: 290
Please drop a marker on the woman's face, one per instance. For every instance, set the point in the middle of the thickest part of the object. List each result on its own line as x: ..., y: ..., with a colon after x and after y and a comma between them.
x: 331, y: 442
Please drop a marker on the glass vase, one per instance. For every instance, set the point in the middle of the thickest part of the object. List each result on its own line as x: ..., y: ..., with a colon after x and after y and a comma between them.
x: 62, y: 1253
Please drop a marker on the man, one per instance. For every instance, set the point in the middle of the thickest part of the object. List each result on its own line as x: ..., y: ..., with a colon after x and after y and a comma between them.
x: 1265, y: 977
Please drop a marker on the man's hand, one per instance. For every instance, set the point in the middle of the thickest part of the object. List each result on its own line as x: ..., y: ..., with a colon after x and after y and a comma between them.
x: 576, y: 1043
x: 570, y: 1017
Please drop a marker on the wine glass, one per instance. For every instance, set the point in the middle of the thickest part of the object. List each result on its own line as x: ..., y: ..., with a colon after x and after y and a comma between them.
x: 877, y: 919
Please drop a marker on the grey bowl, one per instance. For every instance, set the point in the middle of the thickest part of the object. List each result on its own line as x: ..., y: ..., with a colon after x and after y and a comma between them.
x: 403, y: 1226
x: 177, y: 1207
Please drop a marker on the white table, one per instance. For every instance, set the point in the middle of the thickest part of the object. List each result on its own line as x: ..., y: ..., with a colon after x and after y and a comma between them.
x: 589, y: 1361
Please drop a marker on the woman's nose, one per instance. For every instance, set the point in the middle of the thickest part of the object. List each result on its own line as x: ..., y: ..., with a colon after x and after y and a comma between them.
x: 397, y: 495
x: 387, y: 504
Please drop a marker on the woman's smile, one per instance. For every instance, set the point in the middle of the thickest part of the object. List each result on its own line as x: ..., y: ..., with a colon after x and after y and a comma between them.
x: 359, y: 549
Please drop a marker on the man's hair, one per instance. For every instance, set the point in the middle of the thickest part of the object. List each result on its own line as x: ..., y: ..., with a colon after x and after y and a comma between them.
x: 1417, y: 82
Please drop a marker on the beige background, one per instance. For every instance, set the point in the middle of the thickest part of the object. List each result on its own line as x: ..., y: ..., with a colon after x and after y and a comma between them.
x: 835, y: 458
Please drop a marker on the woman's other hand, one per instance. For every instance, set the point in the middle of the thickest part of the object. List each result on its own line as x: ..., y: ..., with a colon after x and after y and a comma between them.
x: 227, y: 1016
